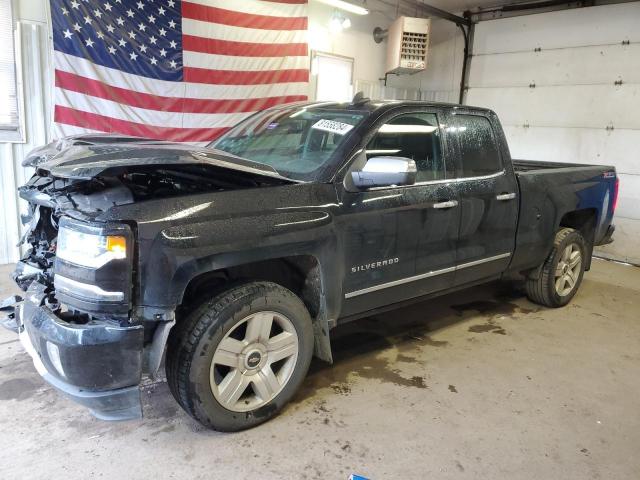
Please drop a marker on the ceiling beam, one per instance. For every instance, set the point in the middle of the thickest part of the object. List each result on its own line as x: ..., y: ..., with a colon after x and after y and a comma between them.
x: 437, y: 12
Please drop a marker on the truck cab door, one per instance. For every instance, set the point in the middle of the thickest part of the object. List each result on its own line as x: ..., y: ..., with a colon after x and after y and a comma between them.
x: 487, y: 190
x: 400, y: 242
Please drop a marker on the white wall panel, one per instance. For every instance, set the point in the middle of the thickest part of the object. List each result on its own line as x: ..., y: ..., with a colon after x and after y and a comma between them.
x: 593, y: 65
x: 576, y: 145
x: 36, y: 78
x: 567, y: 106
x: 565, y: 117
x: 567, y: 28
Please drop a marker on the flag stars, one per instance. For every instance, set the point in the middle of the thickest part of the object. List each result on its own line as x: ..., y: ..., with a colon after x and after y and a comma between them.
x: 120, y: 21
x: 172, y: 24
x: 173, y: 44
x: 132, y: 35
x: 163, y: 53
x: 97, y: 13
x: 87, y: 19
x: 133, y: 55
x: 173, y: 64
x: 67, y: 33
x: 153, y: 60
x: 142, y: 27
x: 171, y: 3
x: 110, y: 28
x: 143, y: 48
x: 152, y: 19
x: 161, y: 11
x: 130, y: 13
x: 100, y: 35
x: 77, y: 27
x: 64, y: 11
x: 112, y: 50
x: 75, y: 4
x: 162, y: 32
x: 122, y: 42
x: 140, y: 5
x: 89, y: 43
x: 107, y: 7
x: 153, y: 40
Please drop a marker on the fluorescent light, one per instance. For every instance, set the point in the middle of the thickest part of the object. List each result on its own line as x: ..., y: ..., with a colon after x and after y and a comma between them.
x: 346, y: 6
x: 395, y: 128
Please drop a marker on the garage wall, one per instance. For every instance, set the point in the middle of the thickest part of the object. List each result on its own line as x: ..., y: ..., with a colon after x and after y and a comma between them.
x: 551, y: 78
x: 36, y: 80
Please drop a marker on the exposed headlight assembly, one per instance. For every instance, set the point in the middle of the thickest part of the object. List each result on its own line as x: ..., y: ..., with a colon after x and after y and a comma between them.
x: 90, y: 249
x: 92, y: 270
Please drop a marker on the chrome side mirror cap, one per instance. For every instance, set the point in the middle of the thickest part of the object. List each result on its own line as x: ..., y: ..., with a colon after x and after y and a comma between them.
x: 385, y: 172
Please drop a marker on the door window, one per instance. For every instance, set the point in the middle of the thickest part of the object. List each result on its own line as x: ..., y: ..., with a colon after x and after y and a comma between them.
x: 415, y: 136
x: 479, y: 155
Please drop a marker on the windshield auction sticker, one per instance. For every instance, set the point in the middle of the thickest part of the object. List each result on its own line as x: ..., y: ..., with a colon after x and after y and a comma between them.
x: 332, y: 126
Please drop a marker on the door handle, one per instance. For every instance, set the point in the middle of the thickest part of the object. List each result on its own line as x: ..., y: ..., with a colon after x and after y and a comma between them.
x: 505, y: 196
x: 447, y: 204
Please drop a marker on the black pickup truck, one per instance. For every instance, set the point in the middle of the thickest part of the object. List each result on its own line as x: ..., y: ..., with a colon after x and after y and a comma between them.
x: 239, y: 258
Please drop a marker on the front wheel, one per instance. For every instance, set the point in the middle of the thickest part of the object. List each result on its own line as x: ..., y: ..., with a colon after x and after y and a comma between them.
x: 562, y: 272
x: 239, y: 358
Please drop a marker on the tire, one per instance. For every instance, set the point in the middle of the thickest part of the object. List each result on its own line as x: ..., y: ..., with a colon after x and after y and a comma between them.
x: 548, y: 289
x: 224, y: 364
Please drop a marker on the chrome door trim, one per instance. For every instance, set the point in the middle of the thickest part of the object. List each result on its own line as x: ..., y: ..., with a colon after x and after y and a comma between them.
x: 433, y: 273
x: 444, y: 180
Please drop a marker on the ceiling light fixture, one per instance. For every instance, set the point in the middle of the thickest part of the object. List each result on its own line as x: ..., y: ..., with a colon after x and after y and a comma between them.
x: 338, y: 22
x: 346, y: 6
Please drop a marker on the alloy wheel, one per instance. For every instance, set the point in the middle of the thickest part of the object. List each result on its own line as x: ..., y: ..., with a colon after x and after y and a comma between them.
x: 254, y: 361
x: 568, y: 270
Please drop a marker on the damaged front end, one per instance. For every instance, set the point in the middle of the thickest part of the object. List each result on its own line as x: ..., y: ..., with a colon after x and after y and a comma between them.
x: 79, y: 321
x: 74, y: 321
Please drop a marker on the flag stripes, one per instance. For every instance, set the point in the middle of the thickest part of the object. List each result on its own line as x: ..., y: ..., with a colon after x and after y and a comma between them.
x: 175, y: 70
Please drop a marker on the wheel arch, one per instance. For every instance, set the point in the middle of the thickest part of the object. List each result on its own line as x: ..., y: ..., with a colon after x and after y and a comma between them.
x: 302, y: 274
x: 584, y: 221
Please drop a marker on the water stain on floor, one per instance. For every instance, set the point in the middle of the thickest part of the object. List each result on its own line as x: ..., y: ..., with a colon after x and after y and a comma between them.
x: 493, y: 308
x: 17, y: 389
x: 487, y: 327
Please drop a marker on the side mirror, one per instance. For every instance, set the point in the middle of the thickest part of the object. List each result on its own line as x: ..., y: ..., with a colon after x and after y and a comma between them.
x: 385, y: 172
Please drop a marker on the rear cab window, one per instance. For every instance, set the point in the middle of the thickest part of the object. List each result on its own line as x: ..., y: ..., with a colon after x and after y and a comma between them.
x: 479, y: 154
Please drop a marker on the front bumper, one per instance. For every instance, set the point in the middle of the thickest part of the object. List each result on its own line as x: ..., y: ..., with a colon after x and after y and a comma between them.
x: 98, y: 364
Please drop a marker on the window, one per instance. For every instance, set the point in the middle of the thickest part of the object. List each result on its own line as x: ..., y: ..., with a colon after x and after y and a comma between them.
x: 479, y: 153
x: 415, y: 136
x: 298, y: 142
x: 9, y: 121
x: 333, y: 77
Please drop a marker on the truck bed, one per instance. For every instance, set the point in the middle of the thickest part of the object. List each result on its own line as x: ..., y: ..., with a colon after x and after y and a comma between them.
x: 524, y: 166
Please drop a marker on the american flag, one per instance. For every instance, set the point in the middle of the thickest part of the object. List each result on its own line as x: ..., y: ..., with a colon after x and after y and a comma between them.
x: 175, y: 70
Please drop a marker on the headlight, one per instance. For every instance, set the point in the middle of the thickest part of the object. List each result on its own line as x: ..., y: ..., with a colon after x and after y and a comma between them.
x: 90, y: 249
x: 92, y: 269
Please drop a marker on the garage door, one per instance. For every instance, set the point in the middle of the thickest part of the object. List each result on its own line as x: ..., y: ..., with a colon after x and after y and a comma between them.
x: 567, y: 87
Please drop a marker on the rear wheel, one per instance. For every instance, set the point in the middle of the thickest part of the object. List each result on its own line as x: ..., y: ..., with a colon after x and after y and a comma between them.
x: 239, y: 358
x: 562, y: 272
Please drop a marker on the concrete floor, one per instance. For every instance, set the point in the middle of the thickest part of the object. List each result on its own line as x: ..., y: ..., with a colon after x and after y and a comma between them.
x: 478, y: 384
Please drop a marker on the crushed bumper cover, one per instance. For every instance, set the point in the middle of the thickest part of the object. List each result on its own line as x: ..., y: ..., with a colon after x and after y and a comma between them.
x: 98, y: 364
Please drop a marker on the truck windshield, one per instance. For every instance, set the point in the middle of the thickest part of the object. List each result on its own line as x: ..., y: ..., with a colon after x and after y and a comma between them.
x: 295, y: 141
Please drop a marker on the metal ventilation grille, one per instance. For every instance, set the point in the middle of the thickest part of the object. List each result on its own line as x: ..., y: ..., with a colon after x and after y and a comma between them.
x: 413, y: 52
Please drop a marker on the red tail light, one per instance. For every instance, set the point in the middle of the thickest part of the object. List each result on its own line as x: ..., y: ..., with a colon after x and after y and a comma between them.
x: 615, y: 195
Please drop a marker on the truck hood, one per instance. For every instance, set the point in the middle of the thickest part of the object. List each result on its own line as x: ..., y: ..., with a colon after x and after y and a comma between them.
x: 89, y: 156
